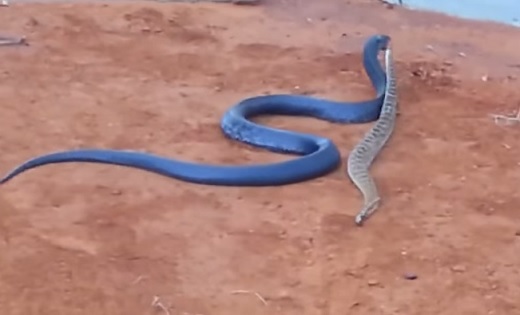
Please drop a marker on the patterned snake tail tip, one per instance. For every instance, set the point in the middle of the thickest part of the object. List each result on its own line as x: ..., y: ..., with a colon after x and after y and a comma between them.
x: 366, y: 212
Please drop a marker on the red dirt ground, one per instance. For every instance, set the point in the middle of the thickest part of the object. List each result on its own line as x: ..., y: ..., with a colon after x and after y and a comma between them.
x: 95, y: 239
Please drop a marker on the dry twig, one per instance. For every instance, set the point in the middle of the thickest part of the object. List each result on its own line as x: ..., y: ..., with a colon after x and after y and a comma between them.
x: 506, y: 120
x: 251, y: 292
x: 157, y: 303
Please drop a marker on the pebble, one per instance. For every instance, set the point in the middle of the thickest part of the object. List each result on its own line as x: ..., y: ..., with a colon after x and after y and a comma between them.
x: 245, y: 2
x: 373, y: 282
x: 410, y: 276
x: 294, y: 283
x: 458, y: 268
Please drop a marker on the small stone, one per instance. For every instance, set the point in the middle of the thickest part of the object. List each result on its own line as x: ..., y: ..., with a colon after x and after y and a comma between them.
x: 355, y: 304
x: 373, y: 282
x: 56, y: 204
x: 245, y: 2
x: 458, y: 268
x: 410, y: 276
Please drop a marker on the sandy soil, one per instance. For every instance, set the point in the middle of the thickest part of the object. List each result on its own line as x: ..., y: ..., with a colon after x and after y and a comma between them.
x: 94, y: 239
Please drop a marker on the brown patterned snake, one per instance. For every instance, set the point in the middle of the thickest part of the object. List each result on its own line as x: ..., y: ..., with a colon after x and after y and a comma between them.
x: 363, y: 154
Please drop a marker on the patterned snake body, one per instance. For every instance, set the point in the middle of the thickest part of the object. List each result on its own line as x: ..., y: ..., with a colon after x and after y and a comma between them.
x: 364, y: 153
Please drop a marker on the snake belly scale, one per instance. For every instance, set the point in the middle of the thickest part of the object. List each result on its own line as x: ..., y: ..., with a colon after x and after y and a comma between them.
x: 364, y: 153
x: 318, y: 156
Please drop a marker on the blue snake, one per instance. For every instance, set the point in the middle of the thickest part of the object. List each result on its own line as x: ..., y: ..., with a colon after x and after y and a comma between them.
x: 318, y: 156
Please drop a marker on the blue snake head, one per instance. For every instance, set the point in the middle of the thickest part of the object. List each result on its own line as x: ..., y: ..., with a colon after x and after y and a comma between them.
x: 383, y: 41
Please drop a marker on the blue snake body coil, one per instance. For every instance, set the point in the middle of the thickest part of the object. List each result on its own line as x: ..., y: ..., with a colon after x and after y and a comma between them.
x: 319, y: 155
